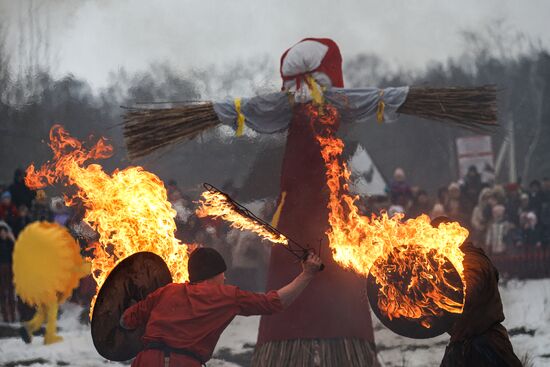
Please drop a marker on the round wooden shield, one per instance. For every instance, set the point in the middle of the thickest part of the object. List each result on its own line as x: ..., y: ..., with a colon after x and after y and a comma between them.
x: 413, y: 328
x: 129, y: 282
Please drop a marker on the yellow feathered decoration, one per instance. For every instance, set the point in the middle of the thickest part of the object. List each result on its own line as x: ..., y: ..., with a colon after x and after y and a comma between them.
x: 47, y: 266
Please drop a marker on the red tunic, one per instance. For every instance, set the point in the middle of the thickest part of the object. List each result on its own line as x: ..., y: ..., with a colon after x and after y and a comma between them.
x: 335, y: 305
x: 192, y: 317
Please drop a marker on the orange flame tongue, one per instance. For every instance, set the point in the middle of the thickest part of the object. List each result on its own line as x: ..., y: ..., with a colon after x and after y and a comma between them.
x: 408, y: 259
x: 129, y: 209
x: 215, y: 204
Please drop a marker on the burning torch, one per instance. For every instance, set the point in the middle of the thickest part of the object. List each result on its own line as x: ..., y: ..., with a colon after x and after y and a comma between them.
x: 219, y: 204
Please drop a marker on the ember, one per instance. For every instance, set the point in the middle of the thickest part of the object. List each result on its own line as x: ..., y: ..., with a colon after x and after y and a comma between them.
x: 129, y: 209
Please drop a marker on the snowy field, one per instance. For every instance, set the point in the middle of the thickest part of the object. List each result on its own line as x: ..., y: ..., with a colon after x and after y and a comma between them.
x: 526, y: 306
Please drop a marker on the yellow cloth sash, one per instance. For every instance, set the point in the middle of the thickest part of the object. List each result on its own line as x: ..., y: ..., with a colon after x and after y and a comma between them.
x: 240, y: 117
x: 277, y: 215
x: 381, y: 107
x: 316, y: 90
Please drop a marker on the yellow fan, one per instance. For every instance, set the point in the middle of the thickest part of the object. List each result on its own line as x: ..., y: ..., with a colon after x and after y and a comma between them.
x: 47, y: 266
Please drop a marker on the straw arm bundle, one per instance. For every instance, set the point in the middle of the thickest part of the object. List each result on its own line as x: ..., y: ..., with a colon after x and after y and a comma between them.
x: 472, y: 108
x: 149, y: 129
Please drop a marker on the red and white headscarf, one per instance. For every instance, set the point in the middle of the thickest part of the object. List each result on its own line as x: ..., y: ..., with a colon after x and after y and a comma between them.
x: 319, y: 57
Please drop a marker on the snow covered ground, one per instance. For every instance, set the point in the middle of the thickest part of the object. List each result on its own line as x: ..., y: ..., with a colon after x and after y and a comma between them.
x: 526, y: 305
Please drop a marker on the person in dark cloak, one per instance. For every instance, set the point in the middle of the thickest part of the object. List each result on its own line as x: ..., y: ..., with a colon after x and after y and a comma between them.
x: 478, y: 337
x: 21, y: 194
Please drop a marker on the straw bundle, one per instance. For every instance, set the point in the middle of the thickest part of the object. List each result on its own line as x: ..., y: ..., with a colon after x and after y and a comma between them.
x: 149, y: 129
x: 471, y: 108
x: 146, y: 129
x: 315, y: 352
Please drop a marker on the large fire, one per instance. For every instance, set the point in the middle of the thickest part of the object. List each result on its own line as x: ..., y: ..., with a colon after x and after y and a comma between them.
x: 129, y: 208
x: 217, y: 205
x: 409, y: 258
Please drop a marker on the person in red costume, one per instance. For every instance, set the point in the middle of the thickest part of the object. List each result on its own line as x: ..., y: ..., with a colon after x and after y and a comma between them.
x: 183, y: 321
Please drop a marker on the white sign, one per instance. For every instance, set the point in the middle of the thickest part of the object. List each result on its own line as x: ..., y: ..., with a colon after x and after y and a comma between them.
x: 365, y: 177
x: 475, y: 151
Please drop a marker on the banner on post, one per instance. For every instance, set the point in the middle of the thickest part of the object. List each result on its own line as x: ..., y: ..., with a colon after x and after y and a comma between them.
x: 475, y: 151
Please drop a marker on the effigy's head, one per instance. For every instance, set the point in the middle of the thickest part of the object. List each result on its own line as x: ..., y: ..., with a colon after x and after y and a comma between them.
x: 318, y: 57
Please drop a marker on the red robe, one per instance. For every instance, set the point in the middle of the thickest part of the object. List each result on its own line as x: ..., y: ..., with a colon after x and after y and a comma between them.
x: 335, y: 305
x: 192, y: 317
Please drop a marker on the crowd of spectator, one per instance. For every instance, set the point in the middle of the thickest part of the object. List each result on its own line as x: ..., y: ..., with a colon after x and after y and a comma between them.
x: 245, y: 253
x: 511, y: 222
x: 20, y: 206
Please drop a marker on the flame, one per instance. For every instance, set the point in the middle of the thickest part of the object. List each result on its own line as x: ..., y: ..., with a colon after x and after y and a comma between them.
x: 217, y: 205
x: 408, y: 259
x: 129, y: 208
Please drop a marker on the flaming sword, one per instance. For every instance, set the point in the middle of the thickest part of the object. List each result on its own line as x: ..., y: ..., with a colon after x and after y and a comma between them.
x: 219, y: 204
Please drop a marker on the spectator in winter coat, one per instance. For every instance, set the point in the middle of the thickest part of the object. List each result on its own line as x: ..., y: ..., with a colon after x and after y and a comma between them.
x: 40, y: 209
x: 530, y: 234
x: 183, y: 322
x: 471, y: 189
x: 443, y: 196
x: 399, y: 190
x: 60, y: 211
x: 513, y: 195
x: 437, y: 211
x: 395, y: 209
x: 7, y: 294
x: 498, y: 238
x: 480, y: 219
x: 421, y: 205
x: 535, y: 196
x: 454, y: 207
x: 544, y: 219
x: 526, y: 216
x: 247, y: 253
x: 8, y: 210
x: 21, y: 220
x: 499, y: 194
x: 21, y: 194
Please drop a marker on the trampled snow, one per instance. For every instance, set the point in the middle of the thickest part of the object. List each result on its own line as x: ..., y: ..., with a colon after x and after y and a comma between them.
x: 526, y: 306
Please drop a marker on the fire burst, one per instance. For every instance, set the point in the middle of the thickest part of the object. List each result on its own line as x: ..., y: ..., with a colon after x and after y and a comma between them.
x: 411, y: 260
x: 129, y: 209
x: 408, y: 259
x: 216, y: 204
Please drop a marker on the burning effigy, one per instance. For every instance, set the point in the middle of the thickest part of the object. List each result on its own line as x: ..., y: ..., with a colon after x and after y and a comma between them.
x: 416, y: 268
x: 414, y: 287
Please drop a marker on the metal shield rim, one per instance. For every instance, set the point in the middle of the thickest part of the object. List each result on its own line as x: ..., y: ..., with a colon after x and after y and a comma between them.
x: 406, y: 327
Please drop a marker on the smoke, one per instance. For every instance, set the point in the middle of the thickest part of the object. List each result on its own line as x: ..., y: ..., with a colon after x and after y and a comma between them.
x: 92, y: 38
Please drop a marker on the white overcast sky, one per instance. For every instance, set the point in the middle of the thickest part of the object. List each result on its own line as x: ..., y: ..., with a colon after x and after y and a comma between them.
x: 90, y: 38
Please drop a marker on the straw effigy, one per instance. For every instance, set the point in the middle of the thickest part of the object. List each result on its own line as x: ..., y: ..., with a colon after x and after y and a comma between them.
x: 149, y: 129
